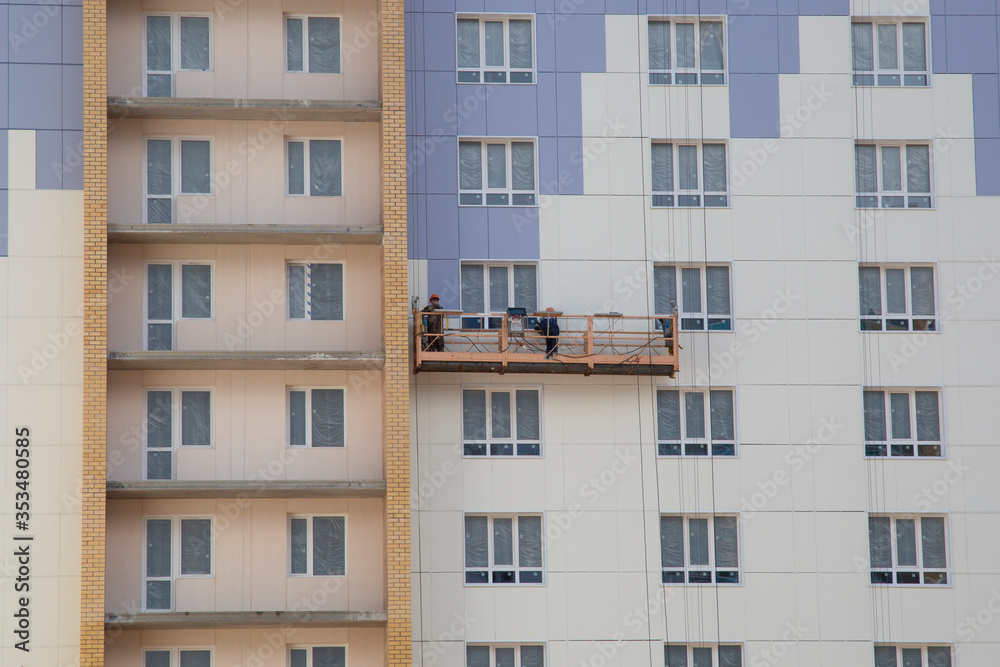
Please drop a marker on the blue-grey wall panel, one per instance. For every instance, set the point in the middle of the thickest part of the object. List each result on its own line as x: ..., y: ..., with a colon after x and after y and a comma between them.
x: 474, y: 233
x: 753, y: 105
x: 986, y: 105
x: 442, y: 236
x: 35, y: 97
x: 988, y: 167
x: 753, y: 44
x: 48, y: 159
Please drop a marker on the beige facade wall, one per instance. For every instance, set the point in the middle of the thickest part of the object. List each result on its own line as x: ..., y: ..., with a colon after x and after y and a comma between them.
x: 247, y: 46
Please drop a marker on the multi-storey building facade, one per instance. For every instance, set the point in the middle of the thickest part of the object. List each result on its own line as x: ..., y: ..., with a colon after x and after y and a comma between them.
x: 807, y: 187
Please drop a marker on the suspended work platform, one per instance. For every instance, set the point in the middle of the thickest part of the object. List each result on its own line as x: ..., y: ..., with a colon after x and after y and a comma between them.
x: 599, y: 344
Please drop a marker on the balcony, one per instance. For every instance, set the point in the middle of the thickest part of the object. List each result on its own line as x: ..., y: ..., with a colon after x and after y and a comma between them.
x: 186, y: 108
x: 600, y: 344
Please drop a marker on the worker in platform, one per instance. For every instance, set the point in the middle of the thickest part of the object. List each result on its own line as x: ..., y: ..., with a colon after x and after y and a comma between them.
x: 435, y: 326
x: 549, y: 327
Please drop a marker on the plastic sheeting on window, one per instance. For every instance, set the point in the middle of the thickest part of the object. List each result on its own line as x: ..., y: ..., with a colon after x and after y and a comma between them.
x: 895, y: 291
x: 938, y: 656
x: 722, y: 414
x: 196, y: 418
x: 701, y: 656
x: 196, y: 659
x: 500, y: 411
x: 862, y: 47
x: 499, y: 289
x: 196, y: 546
x: 694, y: 414
x: 496, y: 165
x: 477, y: 656
x: 668, y: 414
x: 328, y: 545
x: 503, y: 541
x: 528, y: 427
x: 529, y: 541
x: 726, y: 551
x: 470, y: 165
x: 522, y: 160
x: 918, y: 168
x: 892, y: 174
x: 327, y: 417
x: 899, y: 416
x: 159, y: 464
x: 914, y: 48
x: 157, y: 659
x: 158, y: 44
x: 297, y: 658
x: 659, y: 44
x: 731, y: 656
x: 664, y: 289
x: 685, y: 45
x: 494, y: 44
x: 324, y: 44
x: 159, y: 292
x: 864, y: 168
x: 711, y: 45
x: 476, y: 541
x: 329, y: 656
x: 698, y: 541
x: 297, y: 418
x: 159, y: 85
x: 672, y: 541
x: 299, y: 538
x: 717, y: 281
x: 532, y: 656
x: 691, y: 290
x: 474, y: 414
x: 885, y: 656
x: 296, y: 168
x: 520, y: 43
x: 912, y: 657
x: 526, y: 287
x: 922, y: 291
x: 196, y: 166
x: 473, y: 290
x: 870, y: 289
x: 687, y: 165
x: 158, y: 174
x: 928, y: 419
x: 675, y: 656
x: 932, y: 534
x: 325, y: 169
x: 880, y: 541
x: 906, y: 543
x: 715, y: 167
x: 158, y: 419
x: 158, y: 548
x: 662, y: 156
x: 504, y: 656
x: 468, y: 42
x: 874, y: 407
x: 326, y: 291
x: 196, y: 291
x: 888, y: 58
x: 293, y: 45
x: 195, y: 52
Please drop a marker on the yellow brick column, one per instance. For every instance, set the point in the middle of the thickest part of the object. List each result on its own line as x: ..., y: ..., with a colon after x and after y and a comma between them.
x: 397, y: 361
x: 95, y: 329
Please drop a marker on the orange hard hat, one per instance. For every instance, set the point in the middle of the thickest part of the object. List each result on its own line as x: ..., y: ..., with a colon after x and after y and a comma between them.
x: 550, y: 310
x: 435, y: 296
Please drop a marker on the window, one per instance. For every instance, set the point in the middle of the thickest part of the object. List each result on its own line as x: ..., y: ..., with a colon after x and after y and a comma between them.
x: 501, y: 422
x: 316, y: 417
x: 318, y: 656
x: 697, y: 313
x: 191, y: 409
x: 509, y: 167
x: 503, y: 549
x: 524, y: 655
x: 318, y: 546
x: 495, y: 49
x: 902, y: 423
x: 722, y: 655
x: 907, y: 294
x: 316, y: 291
x: 907, y: 549
x: 893, y: 175
x: 687, y: 555
x: 175, y: 43
x: 312, y: 44
x: 896, y: 43
x: 698, y: 179
x: 509, y: 285
x: 175, y: 292
x: 165, y: 158
x: 314, y: 167
x: 178, y: 658
x: 686, y: 52
x: 912, y: 656
x: 695, y: 430
x: 171, y: 542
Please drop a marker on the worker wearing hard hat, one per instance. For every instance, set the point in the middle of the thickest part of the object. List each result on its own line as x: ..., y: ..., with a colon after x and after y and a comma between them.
x: 549, y: 327
x: 434, y: 342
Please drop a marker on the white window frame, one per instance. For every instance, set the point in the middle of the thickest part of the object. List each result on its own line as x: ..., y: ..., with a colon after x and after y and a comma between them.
x: 176, y: 523
x: 891, y: 445
x: 684, y: 443
x: 882, y: 78
x: 176, y: 424
x: 306, y: 167
x: 484, y: 71
x: 888, y: 199
x: 515, y: 567
x: 690, y: 568
x: 308, y: 415
x: 490, y: 442
x: 485, y: 192
x: 175, y: 47
x: 684, y: 316
x: 923, y: 648
x: 691, y: 76
x: 309, y: 544
x: 489, y: 313
x: 177, y: 298
x: 175, y: 172
x: 308, y: 291
x: 690, y: 648
x: 175, y: 653
x: 305, y: 42
x: 919, y: 568
x: 691, y: 198
x: 308, y: 648
x: 908, y: 317
x: 516, y: 646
